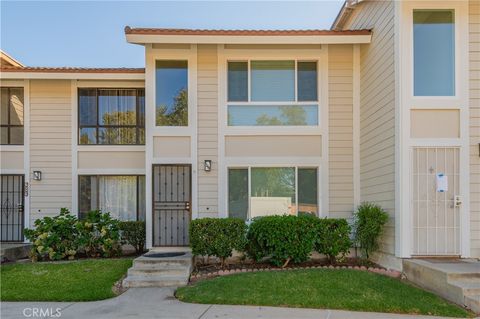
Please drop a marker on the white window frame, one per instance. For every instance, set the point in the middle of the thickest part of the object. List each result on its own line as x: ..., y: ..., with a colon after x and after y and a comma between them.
x: 301, y: 55
x: 296, y: 167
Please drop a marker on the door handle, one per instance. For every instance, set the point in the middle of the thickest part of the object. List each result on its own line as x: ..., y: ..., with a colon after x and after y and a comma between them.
x: 457, y: 200
x: 187, y: 205
x: 20, y: 208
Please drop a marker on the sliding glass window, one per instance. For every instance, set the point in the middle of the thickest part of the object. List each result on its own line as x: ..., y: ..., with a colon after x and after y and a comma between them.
x: 121, y: 196
x: 171, y: 79
x: 272, y: 191
x: 111, y: 116
x: 11, y: 119
x: 272, y: 93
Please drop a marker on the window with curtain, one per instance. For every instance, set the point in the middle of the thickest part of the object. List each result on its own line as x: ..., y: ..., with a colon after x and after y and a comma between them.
x: 11, y: 119
x: 273, y: 191
x: 121, y: 196
x: 111, y: 116
x: 434, y: 52
x: 171, y: 79
x: 272, y: 93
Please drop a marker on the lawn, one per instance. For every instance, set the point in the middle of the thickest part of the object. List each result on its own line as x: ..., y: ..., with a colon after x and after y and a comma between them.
x: 81, y: 280
x: 320, y: 288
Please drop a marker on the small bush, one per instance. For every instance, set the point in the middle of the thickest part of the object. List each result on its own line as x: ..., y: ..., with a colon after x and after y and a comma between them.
x: 54, y: 238
x: 99, y: 234
x: 369, y: 221
x: 282, y: 238
x: 217, y: 237
x: 133, y: 233
x: 333, y: 238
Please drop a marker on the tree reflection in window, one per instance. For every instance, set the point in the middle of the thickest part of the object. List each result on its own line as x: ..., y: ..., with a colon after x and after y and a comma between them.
x: 176, y: 116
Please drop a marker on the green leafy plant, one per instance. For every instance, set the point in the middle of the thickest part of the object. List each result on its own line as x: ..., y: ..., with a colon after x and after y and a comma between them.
x: 282, y: 239
x: 369, y: 222
x: 217, y: 237
x: 333, y: 238
x: 99, y: 234
x: 133, y: 233
x: 54, y: 238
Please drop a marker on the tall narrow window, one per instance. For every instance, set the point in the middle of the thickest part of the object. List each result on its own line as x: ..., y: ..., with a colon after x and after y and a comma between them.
x: 121, y: 196
x: 307, y: 191
x: 237, y: 81
x: 11, y: 119
x: 171, y: 93
x: 434, y: 52
x: 238, y: 193
x: 111, y: 116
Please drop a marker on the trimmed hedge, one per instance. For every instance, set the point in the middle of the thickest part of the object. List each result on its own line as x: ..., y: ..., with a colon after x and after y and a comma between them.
x: 333, y: 238
x: 217, y: 237
x: 133, y: 233
x: 282, y: 238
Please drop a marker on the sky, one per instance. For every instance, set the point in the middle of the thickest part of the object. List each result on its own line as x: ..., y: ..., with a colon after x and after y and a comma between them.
x: 91, y: 33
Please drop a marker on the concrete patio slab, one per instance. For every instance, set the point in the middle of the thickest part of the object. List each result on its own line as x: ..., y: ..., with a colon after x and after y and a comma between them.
x: 161, y: 303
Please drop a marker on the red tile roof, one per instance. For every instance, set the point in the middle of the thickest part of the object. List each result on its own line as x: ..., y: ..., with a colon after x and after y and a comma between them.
x: 160, y: 31
x: 70, y: 70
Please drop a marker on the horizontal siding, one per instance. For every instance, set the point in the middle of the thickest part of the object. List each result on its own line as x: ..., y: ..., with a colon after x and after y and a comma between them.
x: 340, y: 147
x: 50, y: 147
x: 377, y: 110
x: 474, y: 35
x: 207, y: 139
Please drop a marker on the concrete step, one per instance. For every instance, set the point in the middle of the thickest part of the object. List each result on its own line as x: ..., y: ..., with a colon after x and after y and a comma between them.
x: 473, y: 302
x: 468, y: 287
x: 157, y: 264
x: 139, y: 281
x: 159, y: 272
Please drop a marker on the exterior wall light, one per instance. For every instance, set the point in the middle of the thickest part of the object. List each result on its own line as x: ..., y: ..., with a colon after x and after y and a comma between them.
x: 207, y: 165
x: 37, y: 175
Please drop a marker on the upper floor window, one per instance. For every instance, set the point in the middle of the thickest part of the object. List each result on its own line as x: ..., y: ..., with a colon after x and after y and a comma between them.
x: 434, y: 52
x: 111, y: 116
x: 11, y: 119
x: 272, y: 93
x: 171, y: 78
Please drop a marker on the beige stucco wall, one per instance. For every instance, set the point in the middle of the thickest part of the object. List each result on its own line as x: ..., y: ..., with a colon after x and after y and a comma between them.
x: 171, y: 146
x: 207, y: 138
x: 435, y: 123
x: 268, y: 146
x: 340, y: 147
x: 50, y: 146
x: 11, y: 159
x: 111, y: 160
x: 474, y: 30
x: 377, y: 111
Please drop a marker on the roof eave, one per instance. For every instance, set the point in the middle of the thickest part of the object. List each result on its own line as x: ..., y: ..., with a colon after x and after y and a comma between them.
x: 16, y: 75
x: 248, y: 39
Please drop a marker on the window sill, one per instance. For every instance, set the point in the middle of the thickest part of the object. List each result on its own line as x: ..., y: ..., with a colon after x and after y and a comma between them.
x: 111, y: 148
x: 12, y: 148
x: 274, y: 130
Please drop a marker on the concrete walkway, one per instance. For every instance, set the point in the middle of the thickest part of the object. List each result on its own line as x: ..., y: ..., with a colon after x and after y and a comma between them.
x: 160, y: 303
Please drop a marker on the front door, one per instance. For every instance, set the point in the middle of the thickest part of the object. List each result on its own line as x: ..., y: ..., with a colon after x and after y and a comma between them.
x: 171, y: 204
x: 436, y: 203
x: 12, y: 202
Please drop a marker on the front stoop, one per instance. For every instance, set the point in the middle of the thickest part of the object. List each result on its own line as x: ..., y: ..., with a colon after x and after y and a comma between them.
x: 14, y: 251
x: 159, y: 271
x: 454, y: 280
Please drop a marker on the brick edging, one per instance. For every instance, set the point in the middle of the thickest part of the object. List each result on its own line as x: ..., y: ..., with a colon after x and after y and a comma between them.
x: 213, y: 274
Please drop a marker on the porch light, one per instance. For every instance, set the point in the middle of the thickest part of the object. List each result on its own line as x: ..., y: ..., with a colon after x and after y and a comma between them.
x: 37, y: 175
x: 207, y: 165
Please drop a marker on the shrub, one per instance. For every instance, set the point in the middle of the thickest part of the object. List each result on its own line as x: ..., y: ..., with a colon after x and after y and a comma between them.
x: 99, y: 234
x: 333, y: 238
x: 369, y: 221
x: 133, y: 233
x: 282, y: 238
x: 54, y: 238
x: 217, y: 237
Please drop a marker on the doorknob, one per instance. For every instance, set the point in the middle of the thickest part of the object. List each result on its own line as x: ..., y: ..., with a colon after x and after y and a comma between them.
x: 187, y: 205
x: 457, y: 200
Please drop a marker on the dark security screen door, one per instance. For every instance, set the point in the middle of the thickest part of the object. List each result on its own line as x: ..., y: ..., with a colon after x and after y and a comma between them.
x: 171, y: 204
x: 12, y: 203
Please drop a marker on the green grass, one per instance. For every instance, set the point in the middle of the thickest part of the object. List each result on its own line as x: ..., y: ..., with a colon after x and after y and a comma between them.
x: 81, y: 280
x: 320, y: 288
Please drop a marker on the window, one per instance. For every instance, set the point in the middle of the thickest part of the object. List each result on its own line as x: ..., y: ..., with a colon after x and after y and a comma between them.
x: 273, y: 191
x: 171, y: 93
x: 11, y: 120
x: 434, y: 52
x: 122, y: 196
x: 111, y: 116
x: 272, y: 93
